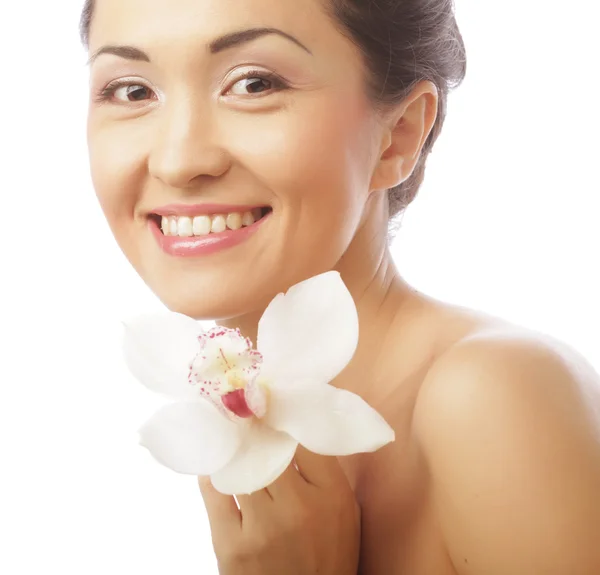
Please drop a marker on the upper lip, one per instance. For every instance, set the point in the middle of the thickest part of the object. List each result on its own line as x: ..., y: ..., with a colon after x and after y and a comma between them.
x: 202, y: 209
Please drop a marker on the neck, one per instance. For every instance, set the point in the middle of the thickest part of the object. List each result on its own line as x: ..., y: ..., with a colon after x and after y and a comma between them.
x: 370, y: 275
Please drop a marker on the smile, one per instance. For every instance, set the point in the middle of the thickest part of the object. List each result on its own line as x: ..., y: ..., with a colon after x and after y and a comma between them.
x: 182, y: 233
x: 186, y: 226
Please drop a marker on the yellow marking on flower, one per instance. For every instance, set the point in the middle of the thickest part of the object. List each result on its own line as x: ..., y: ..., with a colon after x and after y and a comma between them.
x: 236, y: 381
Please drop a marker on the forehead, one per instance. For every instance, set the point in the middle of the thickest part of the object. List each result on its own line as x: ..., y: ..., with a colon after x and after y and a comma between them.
x: 177, y: 20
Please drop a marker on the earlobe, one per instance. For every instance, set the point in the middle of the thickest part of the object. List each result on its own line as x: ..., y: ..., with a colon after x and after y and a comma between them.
x: 403, y: 140
x: 389, y: 173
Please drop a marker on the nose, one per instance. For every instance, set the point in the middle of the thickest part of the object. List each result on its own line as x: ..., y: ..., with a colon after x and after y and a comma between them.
x: 185, y: 148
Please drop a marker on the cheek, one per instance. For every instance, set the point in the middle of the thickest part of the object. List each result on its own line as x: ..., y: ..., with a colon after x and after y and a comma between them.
x: 116, y: 156
x: 315, y: 161
x: 313, y: 155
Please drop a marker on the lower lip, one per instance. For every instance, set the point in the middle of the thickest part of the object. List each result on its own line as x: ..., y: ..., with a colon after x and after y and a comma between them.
x: 197, y: 246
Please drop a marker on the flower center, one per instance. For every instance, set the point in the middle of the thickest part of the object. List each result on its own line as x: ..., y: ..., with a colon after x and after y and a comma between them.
x: 225, y: 370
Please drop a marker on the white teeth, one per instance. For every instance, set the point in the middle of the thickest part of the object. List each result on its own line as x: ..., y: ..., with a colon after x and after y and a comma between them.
x: 219, y: 224
x: 202, y: 225
x: 247, y: 219
x: 186, y: 226
x: 234, y: 221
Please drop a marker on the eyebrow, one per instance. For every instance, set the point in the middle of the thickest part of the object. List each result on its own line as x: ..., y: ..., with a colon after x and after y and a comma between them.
x: 217, y: 45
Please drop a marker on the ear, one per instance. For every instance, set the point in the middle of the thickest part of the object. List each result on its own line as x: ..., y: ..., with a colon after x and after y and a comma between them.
x: 406, y: 130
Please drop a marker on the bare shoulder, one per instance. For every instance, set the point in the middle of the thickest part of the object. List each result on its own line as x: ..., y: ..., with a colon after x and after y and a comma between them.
x: 494, y: 360
x: 508, y: 421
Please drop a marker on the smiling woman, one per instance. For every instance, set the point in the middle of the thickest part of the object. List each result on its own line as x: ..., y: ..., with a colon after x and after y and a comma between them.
x: 261, y: 70
x: 241, y: 148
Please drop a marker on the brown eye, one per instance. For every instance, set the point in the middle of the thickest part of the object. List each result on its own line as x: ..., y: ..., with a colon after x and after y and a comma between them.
x: 251, y: 86
x: 128, y: 92
x: 256, y: 82
x: 133, y: 92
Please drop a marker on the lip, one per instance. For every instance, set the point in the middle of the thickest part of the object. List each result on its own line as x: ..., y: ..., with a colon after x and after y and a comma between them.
x: 198, y: 246
x: 202, y: 209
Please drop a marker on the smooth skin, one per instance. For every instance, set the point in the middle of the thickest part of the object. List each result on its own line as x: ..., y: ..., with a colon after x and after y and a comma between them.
x: 496, y: 464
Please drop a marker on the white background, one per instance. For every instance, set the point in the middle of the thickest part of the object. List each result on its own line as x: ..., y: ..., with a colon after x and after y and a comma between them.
x: 506, y: 222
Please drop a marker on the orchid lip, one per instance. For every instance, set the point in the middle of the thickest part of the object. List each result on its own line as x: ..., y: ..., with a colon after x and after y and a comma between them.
x: 235, y: 402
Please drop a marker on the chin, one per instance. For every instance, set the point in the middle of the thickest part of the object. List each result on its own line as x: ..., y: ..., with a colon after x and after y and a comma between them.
x: 237, y: 282
x: 216, y: 301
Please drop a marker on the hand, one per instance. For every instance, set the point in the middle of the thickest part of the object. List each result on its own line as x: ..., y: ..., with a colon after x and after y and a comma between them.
x: 306, y: 522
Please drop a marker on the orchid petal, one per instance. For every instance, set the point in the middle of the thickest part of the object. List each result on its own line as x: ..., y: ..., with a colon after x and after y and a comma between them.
x: 263, y: 456
x: 310, y: 332
x: 159, y: 349
x: 190, y: 437
x: 327, y: 420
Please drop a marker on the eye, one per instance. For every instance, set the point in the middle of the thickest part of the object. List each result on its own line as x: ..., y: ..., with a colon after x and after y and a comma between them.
x: 124, y: 92
x: 256, y: 82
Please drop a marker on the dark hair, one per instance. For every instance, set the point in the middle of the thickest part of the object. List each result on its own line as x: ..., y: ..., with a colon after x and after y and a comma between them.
x: 403, y: 42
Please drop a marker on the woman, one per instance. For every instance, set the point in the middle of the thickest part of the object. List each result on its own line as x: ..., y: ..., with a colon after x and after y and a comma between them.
x: 284, y: 136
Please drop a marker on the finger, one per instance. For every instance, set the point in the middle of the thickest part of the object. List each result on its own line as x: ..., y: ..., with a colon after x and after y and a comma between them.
x: 320, y: 470
x: 289, y: 481
x: 223, y: 512
x: 253, y: 506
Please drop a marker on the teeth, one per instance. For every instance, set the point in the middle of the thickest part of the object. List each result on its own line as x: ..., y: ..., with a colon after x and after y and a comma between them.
x: 185, y: 226
x: 247, y: 219
x: 201, y: 225
x: 234, y: 221
x: 219, y: 224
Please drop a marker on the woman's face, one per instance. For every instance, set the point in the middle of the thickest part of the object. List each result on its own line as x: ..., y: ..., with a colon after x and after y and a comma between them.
x: 212, y: 120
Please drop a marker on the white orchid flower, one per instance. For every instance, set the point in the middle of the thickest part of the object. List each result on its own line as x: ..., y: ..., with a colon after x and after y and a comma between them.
x: 242, y: 412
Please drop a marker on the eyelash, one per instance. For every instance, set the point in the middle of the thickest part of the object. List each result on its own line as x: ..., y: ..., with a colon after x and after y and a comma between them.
x: 277, y: 85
